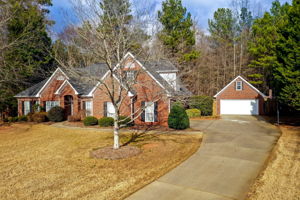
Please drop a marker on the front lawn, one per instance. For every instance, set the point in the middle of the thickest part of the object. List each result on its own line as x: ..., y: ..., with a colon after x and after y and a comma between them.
x: 46, y: 162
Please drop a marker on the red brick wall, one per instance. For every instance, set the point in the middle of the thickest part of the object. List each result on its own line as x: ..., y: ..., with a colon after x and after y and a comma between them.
x: 68, y: 90
x: 147, y: 90
x: 48, y: 92
x: 247, y: 93
x: 20, y: 104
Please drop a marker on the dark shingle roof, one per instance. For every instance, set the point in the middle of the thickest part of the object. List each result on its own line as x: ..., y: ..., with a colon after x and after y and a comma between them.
x: 84, y: 87
x: 32, y: 91
x: 161, y: 65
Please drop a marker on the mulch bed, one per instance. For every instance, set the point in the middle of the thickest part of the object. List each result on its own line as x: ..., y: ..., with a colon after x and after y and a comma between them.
x: 114, y: 154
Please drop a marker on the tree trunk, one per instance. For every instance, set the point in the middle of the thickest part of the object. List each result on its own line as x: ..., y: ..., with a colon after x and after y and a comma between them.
x: 116, y: 132
x: 234, y: 67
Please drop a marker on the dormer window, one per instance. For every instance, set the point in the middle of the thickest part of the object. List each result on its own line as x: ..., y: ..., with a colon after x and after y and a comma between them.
x: 130, y: 75
x: 239, y: 85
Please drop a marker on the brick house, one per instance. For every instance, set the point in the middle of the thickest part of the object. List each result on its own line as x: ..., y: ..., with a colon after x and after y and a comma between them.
x: 156, y: 85
x: 239, y: 97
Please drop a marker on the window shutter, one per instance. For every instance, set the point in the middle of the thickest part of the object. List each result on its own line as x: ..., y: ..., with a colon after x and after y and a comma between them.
x: 105, y: 109
x: 135, y: 76
x: 143, y: 113
x: 23, y: 107
x: 155, y: 112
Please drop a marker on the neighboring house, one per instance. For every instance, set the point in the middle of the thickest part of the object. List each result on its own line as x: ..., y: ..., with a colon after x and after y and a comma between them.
x: 239, y: 97
x: 156, y: 86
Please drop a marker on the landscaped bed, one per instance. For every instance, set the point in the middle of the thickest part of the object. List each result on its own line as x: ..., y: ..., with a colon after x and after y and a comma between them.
x: 281, y: 178
x: 46, y: 162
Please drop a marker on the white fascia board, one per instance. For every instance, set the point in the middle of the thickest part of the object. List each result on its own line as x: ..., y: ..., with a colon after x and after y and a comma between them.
x: 58, y: 69
x: 130, y: 54
x: 63, y: 84
x: 263, y: 95
x: 126, y: 55
x: 167, y: 71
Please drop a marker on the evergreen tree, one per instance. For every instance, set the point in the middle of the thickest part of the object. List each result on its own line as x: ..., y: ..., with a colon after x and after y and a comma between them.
x: 262, y: 47
x: 116, y: 19
x: 177, y: 34
x: 222, y: 27
x: 287, y: 66
x: 32, y: 55
x: 28, y: 59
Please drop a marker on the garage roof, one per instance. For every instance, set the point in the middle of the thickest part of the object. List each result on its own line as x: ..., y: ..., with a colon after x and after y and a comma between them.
x: 254, y: 88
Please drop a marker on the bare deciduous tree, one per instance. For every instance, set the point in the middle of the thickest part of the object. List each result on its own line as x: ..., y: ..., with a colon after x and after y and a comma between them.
x: 107, y: 38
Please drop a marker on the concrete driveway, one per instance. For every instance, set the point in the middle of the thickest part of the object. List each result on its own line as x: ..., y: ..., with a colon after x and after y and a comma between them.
x: 231, y: 156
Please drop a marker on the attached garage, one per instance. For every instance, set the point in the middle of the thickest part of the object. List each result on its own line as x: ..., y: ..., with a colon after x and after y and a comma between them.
x: 239, y: 97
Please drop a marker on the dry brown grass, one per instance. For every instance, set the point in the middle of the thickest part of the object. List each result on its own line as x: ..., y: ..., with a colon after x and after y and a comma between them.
x: 45, y: 162
x: 281, y: 178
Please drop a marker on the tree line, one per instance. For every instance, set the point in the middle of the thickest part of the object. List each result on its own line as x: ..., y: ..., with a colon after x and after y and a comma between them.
x: 263, y: 48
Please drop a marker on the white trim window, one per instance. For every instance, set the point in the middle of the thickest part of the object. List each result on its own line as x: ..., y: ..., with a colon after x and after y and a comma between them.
x: 26, y: 107
x: 88, y: 108
x: 239, y: 85
x: 130, y: 75
x: 110, y: 110
x: 149, y: 112
x: 51, y: 104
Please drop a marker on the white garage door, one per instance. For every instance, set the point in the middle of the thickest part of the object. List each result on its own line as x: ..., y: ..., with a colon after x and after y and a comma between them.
x: 239, y: 107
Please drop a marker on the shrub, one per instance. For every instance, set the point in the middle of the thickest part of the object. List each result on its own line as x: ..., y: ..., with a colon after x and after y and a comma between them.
x: 90, y: 121
x: 178, y: 118
x: 203, y: 103
x: 106, y: 121
x: 124, y: 120
x: 193, y: 112
x: 22, y: 118
x: 56, y: 114
x: 5, y: 120
x: 12, y: 119
x: 39, y: 117
x: 29, y: 117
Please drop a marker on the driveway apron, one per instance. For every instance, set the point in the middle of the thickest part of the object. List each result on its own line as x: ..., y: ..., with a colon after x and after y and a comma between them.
x: 233, y: 152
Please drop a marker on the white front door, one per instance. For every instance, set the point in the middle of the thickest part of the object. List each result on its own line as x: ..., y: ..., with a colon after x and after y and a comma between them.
x: 239, y: 107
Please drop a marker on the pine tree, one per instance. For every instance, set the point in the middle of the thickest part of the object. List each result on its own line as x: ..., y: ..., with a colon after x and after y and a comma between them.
x: 117, y: 15
x: 177, y: 34
x: 262, y: 46
x: 222, y: 26
x: 28, y: 59
x: 287, y: 66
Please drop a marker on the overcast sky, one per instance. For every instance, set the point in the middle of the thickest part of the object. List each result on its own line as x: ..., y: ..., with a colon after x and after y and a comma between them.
x: 201, y: 10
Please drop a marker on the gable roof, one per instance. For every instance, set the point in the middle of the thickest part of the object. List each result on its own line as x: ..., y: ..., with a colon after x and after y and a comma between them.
x: 99, y: 70
x: 33, y: 90
x: 58, y: 91
x: 239, y: 77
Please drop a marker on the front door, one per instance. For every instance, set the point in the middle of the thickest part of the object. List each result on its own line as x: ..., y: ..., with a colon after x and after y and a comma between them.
x: 68, y: 99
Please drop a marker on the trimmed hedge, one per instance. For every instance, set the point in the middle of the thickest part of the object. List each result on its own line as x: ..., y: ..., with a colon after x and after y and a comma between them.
x: 178, y: 119
x: 106, y: 121
x: 193, y: 112
x: 90, y: 121
x: 56, y: 114
x: 39, y: 117
x: 203, y: 103
x: 124, y: 120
